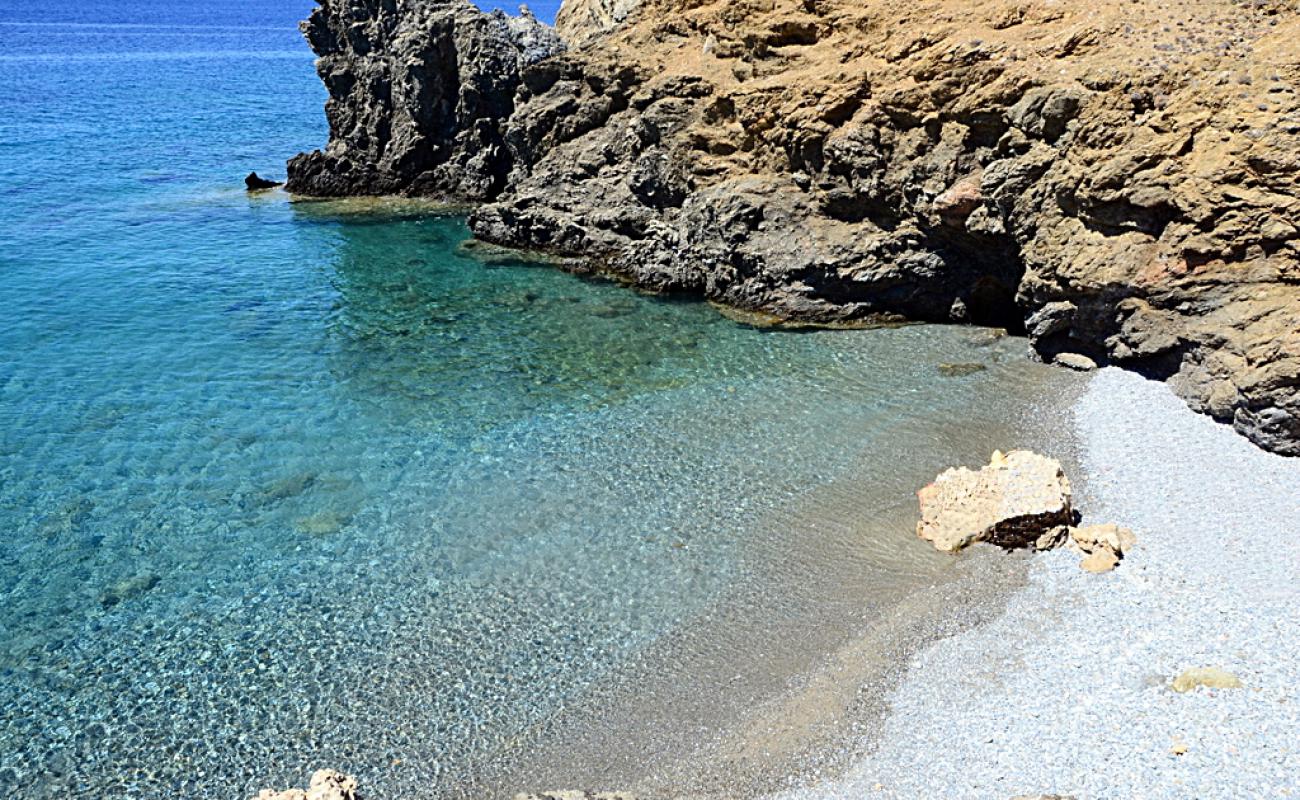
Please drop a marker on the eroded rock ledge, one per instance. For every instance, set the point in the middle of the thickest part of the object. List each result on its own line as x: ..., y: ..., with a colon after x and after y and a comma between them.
x: 1118, y: 179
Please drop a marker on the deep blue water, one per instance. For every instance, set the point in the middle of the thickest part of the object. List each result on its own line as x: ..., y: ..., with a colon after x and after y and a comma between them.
x: 288, y: 485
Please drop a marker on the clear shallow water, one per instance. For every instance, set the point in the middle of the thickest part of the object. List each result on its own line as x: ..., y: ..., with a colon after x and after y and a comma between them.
x: 286, y: 485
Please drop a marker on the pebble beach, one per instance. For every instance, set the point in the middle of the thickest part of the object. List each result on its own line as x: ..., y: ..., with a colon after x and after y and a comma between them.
x: 1069, y: 692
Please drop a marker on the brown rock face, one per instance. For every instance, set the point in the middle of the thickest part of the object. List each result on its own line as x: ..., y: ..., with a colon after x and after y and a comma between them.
x: 1118, y: 179
x: 583, y: 21
x: 1015, y: 501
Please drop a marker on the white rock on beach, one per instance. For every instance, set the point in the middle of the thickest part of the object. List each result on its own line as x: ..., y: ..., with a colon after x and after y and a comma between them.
x: 326, y: 784
x: 1012, y: 502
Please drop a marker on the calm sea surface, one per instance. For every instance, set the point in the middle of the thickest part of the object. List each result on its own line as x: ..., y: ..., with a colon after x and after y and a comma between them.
x: 288, y: 485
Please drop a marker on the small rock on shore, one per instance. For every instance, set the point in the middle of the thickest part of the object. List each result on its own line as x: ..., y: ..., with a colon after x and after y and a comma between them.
x: 326, y: 784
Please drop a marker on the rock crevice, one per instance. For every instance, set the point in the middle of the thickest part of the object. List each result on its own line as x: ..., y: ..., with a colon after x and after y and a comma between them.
x: 1117, y: 180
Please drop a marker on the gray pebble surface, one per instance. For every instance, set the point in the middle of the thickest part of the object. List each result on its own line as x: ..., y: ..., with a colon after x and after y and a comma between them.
x: 1069, y: 691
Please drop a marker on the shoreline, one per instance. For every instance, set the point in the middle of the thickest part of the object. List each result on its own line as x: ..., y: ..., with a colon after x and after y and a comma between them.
x: 1068, y: 691
x: 794, y: 717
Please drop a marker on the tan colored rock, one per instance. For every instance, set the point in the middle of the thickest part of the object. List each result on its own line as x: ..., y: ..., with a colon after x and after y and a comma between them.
x: 1075, y: 361
x: 1209, y: 677
x: 1109, y: 536
x: 326, y: 784
x: 1052, y: 538
x: 1013, y: 502
x: 1101, y: 561
x: 582, y: 21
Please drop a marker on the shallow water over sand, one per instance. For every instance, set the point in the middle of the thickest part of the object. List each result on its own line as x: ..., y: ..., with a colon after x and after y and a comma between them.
x: 287, y: 485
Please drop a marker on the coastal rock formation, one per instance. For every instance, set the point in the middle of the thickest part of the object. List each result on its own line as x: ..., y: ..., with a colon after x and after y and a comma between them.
x: 1120, y: 180
x: 1013, y: 502
x: 419, y: 94
x: 326, y: 784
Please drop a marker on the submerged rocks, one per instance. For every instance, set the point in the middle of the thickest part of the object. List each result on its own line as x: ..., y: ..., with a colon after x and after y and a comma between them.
x: 128, y: 588
x: 326, y: 784
x: 1012, y: 502
x: 1099, y: 562
x: 960, y: 369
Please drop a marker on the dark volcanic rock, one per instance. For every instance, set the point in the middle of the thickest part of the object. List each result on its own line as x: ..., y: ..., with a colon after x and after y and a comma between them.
x: 255, y: 182
x: 418, y: 94
x: 1119, y: 180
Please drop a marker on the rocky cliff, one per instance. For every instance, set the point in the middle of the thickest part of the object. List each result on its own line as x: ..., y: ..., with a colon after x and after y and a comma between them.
x: 418, y: 94
x: 1117, y: 179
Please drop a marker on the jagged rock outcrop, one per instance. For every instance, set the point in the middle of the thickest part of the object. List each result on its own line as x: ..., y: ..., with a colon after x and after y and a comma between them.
x: 419, y: 94
x: 1118, y: 179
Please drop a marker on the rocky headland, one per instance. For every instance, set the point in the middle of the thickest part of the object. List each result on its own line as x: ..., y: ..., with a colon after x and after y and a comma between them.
x: 1118, y: 180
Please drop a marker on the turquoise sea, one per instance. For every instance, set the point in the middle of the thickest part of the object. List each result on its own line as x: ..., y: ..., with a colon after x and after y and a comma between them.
x: 286, y: 485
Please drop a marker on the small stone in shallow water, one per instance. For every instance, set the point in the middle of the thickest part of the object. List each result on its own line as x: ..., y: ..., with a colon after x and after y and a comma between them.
x: 127, y: 588
x: 288, y: 487
x: 1209, y: 677
x: 960, y: 370
x: 323, y: 523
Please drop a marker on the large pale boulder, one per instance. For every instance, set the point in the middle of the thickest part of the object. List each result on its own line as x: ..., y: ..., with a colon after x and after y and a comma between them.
x: 326, y: 784
x: 1012, y: 502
